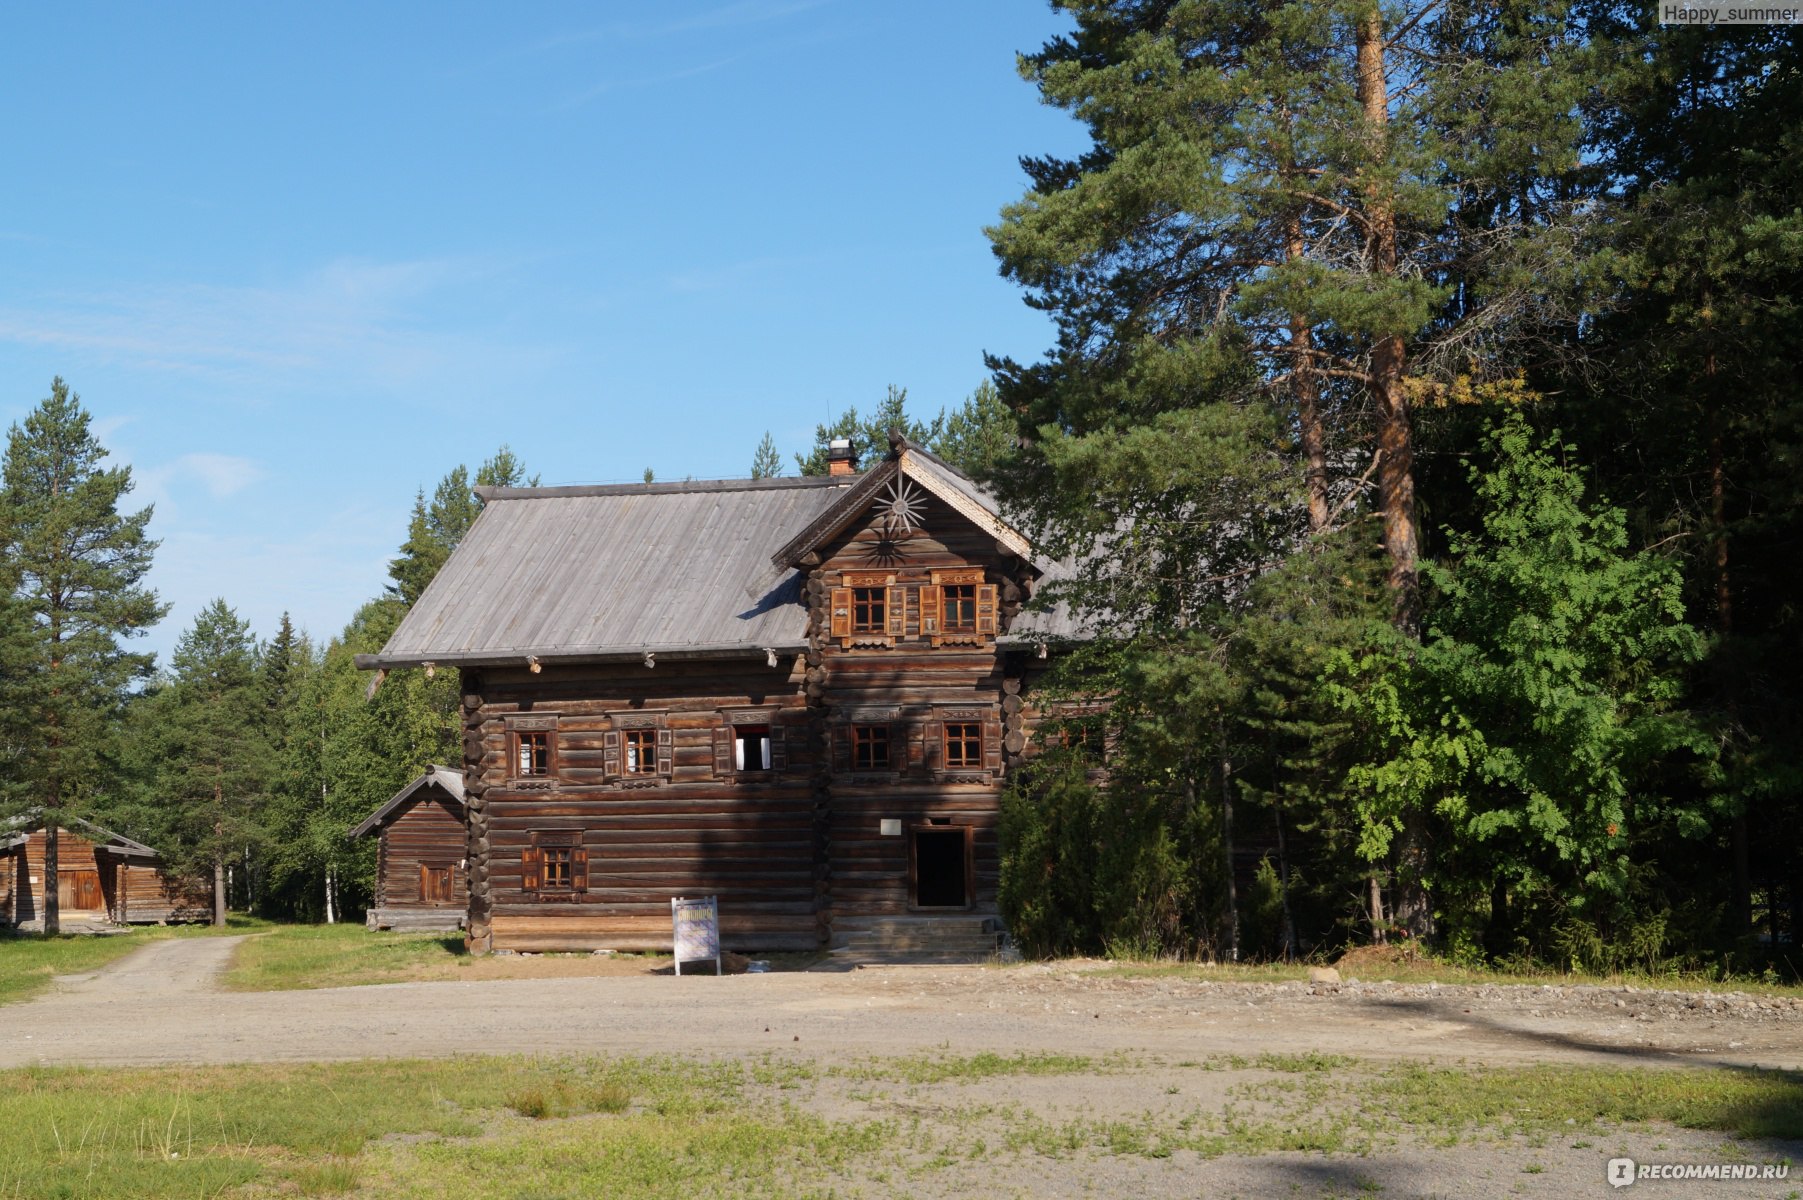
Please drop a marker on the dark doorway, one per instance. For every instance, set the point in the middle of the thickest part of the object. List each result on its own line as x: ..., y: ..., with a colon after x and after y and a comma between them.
x: 941, y: 863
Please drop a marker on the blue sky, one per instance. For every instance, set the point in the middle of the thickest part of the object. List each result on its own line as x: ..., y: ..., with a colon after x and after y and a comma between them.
x: 301, y: 260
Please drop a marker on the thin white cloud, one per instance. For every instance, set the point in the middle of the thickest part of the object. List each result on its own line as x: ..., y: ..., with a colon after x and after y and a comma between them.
x: 348, y: 318
x: 726, y: 16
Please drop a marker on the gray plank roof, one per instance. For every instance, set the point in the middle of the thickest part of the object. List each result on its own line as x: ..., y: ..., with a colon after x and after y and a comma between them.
x: 604, y: 572
x: 441, y: 779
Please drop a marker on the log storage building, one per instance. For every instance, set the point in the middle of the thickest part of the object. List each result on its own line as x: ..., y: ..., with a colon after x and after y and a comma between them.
x: 421, y: 881
x: 101, y: 876
x: 800, y: 695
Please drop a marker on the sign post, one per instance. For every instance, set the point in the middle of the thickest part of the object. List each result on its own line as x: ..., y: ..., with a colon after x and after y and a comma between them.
x: 697, y: 927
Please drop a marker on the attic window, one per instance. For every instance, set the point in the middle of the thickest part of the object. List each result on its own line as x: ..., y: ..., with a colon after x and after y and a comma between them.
x: 869, y: 610
x: 960, y: 608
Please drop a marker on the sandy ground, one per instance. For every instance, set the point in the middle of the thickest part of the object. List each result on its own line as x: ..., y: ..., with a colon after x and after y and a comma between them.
x: 161, y: 1005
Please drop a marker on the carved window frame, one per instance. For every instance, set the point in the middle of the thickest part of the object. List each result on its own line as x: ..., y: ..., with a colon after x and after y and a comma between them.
x: 613, y: 753
x: 842, y: 624
x: 986, y: 602
x: 988, y: 720
x: 563, y: 846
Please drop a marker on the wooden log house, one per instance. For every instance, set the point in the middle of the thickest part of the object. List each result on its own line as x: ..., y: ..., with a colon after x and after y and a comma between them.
x: 803, y: 696
x: 101, y: 876
x: 421, y: 881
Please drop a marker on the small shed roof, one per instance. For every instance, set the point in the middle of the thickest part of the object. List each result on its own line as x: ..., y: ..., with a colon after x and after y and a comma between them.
x: 574, y: 573
x: 435, y: 780
x: 19, y: 829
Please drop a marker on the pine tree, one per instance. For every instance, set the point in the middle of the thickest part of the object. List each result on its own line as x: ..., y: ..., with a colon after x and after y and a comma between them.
x: 978, y: 435
x: 79, y: 564
x: 1265, y: 234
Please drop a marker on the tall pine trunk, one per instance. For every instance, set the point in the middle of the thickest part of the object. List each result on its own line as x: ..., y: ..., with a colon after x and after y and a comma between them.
x: 1410, y: 902
x: 1305, y: 386
x: 1233, y: 893
x: 53, y: 907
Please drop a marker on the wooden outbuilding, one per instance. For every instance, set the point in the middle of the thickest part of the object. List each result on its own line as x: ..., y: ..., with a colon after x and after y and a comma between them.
x: 804, y: 696
x: 421, y: 881
x: 101, y: 876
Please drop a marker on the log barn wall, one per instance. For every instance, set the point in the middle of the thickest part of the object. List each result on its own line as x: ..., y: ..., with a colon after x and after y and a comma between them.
x: 131, y: 887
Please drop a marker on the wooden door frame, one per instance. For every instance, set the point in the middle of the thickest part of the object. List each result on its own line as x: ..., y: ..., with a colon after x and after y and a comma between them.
x: 970, y: 867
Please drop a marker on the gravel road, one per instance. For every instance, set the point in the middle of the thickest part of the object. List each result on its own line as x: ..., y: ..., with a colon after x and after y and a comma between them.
x: 161, y: 1005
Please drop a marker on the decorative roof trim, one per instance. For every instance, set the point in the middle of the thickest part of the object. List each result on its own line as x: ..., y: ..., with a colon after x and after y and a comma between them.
x: 775, y: 483
x: 443, y: 778
x: 575, y: 654
x: 925, y: 469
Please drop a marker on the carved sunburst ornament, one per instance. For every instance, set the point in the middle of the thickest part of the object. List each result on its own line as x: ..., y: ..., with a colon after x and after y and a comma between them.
x: 902, y: 506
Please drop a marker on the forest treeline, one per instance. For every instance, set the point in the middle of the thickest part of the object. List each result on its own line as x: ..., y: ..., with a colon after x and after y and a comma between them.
x: 1421, y: 440
x: 1423, y: 426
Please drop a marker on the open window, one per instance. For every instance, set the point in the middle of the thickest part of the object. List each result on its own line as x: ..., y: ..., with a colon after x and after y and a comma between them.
x: 964, y: 744
x: 749, y: 745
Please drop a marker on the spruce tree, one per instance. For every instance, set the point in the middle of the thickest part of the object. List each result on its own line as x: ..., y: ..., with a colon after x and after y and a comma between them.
x: 79, y: 565
x: 215, y: 760
x: 767, y: 461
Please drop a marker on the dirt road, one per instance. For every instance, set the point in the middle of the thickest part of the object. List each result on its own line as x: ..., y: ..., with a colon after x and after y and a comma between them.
x: 160, y: 1005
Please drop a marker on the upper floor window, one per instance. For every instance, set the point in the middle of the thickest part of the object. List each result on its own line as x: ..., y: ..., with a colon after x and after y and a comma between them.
x: 870, y: 747
x: 532, y: 753
x: 532, y: 747
x: 639, y: 751
x: 963, y: 744
x: 751, y: 747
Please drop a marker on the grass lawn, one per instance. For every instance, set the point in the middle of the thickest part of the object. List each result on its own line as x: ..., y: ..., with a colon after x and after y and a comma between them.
x: 28, y: 961
x: 508, y: 1127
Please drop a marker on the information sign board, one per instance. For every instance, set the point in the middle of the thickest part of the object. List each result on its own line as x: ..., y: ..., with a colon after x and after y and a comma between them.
x: 697, y: 927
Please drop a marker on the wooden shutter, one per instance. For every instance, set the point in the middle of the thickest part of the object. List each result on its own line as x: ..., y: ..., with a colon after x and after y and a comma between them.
x: 986, y: 608
x: 932, y: 610
x: 992, y: 744
x: 841, y: 612
x: 898, y: 611
x: 723, y: 750
x: 779, y: 748
x: 663, y: 752
x: 532, y: 869
x: 934, y: 745
x: 610, y: 752
x: 579, y: 868
x: 842, y: 748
